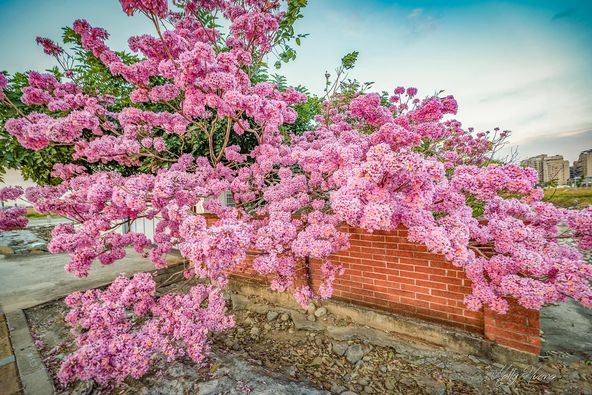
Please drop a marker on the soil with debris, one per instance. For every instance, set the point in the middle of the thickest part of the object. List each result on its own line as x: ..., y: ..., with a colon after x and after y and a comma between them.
x: 274, y: 350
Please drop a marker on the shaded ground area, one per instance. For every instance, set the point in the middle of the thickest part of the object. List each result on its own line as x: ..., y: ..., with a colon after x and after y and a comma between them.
x: 567, y: 329
x: 271, y: 345
x: 9, y: 381
x: 273, y: 350
x: 28, y: 280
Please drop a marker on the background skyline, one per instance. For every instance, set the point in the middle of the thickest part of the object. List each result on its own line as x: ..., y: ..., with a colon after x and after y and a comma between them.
x: 518, y: 65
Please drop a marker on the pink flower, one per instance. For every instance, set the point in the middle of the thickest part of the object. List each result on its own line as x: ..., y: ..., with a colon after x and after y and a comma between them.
x: 3, y: 85
x: 49, y: 47
x: 365, y: 162
x: 156, y: 7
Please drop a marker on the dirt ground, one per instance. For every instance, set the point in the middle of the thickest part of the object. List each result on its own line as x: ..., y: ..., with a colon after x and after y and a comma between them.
x: 278, y: 351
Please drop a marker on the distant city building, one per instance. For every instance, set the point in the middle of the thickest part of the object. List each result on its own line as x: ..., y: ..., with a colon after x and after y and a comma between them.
x: 583, y: 166
x: 550, y: 168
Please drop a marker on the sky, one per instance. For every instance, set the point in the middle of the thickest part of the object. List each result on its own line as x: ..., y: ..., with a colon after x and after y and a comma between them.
x: 525, y: 66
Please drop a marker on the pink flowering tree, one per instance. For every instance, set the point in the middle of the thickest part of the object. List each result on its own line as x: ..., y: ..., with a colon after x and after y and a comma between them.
x: 371, y: 161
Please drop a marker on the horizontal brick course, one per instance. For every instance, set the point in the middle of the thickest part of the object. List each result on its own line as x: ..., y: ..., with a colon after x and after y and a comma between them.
x: 518, y: 329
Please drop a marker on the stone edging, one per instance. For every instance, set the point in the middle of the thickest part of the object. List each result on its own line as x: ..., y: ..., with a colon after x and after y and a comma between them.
x: 34, y: 377
x: 414, y: 331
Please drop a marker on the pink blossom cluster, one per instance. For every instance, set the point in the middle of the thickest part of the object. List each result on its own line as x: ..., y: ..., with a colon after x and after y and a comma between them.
x: 156, y: 7
x: 581, y: 223
x: 121, y: 330
x: 3, y: 86
x: 49, y: 47
x: 368, y: 162
x: 12, y: 218
x: 10, y: 193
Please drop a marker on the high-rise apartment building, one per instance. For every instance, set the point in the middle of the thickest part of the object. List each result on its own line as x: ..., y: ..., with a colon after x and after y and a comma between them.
x: 583, y: 166
x: 550, y: 168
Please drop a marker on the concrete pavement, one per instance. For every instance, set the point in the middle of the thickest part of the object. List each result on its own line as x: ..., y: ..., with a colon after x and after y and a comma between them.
x: 567, y: 327
x: 33, y: 279
x: 29, y: 280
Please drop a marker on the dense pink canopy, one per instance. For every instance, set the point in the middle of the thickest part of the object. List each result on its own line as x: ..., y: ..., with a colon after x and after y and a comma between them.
x: 369, y: 162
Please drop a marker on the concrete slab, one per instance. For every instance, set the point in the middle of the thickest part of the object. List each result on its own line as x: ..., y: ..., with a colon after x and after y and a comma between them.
x: 29, y: 280
x: 567, y: 327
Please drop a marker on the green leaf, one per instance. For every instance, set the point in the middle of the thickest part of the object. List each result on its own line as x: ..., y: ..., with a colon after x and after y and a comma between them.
x: 349, y: 60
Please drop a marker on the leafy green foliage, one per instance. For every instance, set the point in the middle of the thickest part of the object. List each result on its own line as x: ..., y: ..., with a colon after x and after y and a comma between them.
x: 94, y: 78
x: 349, y: 60
x: 286, y: 33
x: 34, y: 165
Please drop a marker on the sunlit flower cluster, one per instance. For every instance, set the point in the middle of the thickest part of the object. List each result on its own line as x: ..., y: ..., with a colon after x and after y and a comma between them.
x: 370, y: 161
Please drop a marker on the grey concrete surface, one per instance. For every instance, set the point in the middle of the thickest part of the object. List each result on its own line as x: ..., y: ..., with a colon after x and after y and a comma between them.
x: 567, y: 327
x: 45, y: 221
x: 29, y: 280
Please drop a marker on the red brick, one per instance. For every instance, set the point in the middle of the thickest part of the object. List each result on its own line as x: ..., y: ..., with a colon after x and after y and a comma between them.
x: 498, y: 333
x: 373, y: 263
x: 440, y: 264
x: 387, y: 296
x: 358, y: 254
x: 372, y: 237
x: 401, y: 280
x: 349, y: 260
x: 514, y: 327
x: 412, y: 247
x: 393, y: 240
x: 380, y: 257
x: 416, y: 289
x: 430, y: 270
x: 427, y: 256
x: 415, y: 302
x: 387, y: 284
x: 456, y: 288
x: 407, y: 254
x: 430, y: 298
x: 448, y: 295
x: 378, y: 276
x: 444, y: 279
x: 406, y: 294
x: 411, y: 261
x: 430, y: 284
x: 473, y: 314
x: 386, y: 270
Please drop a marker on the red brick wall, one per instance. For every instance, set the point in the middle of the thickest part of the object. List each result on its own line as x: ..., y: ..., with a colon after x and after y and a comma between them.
x: 518, y: 329
x: 384, y: 270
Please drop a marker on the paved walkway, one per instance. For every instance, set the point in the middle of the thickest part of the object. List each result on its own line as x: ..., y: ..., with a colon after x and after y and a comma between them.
x: 46, y: 221
x: 29, y: 280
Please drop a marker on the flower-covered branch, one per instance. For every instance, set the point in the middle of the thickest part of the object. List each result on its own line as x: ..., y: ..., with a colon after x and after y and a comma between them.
x: 198, y: 124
